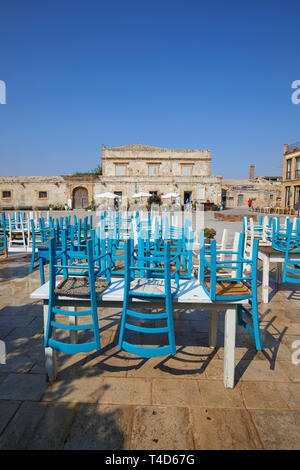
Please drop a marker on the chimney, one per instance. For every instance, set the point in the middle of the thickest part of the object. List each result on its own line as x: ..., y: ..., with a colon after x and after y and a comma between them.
x: 252, y: 166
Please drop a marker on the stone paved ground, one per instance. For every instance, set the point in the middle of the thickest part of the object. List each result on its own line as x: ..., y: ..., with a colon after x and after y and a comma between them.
x: 113, y: 400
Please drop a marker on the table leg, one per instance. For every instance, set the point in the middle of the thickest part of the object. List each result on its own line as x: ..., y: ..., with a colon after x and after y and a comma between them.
x: 50, y: 354
x: 213, y: 328
x: 229, y: 346
x: 265, y: 280
x: 278, y: 278
x: 73, y: 321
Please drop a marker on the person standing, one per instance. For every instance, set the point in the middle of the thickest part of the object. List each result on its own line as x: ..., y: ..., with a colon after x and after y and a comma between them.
x: 249, y: 203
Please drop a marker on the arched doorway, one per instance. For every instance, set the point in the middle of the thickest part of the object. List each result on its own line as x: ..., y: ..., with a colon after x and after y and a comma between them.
x: 80, y: 198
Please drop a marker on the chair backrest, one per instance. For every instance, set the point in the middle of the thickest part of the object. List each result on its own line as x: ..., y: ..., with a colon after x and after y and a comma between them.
x: 61, y: 262
x: 93, y: 255
x: 150, y: 263
x: 213, y: 272
x: 291, y: 247
x: 223, y: 243
x: 3, y: 241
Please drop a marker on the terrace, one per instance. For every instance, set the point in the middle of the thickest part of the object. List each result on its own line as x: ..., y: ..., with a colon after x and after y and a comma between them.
x: 114, y: 400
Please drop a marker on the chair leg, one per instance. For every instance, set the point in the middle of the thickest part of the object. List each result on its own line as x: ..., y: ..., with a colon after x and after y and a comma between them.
x: 42, y: 275
x: 256, y: 326
x: 255, y: 332
x: 32, y: 258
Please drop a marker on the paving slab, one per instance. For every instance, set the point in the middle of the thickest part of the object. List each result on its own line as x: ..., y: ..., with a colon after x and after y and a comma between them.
x: 75, y: 389
x: 38, y: 426
x: 279, y: 430
x: 291, y: 394
x: 213, y: 395
x: 7, y: 411
x: 101, y: 427
x: 180, y: 392
x: 160, y: 427
x: 263, y: 395
x: 261, y: 370
x: 224, y: 429
x: 292, y: 370
x: 118, y: 390
x: 23, y: 387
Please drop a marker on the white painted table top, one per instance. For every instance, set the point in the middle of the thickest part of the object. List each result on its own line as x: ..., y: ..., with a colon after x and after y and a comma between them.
x: 190, y: 291
x: 273, y: 255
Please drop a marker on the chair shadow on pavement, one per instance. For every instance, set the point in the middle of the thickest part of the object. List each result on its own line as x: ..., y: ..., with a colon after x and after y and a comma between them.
x: 271, y: 338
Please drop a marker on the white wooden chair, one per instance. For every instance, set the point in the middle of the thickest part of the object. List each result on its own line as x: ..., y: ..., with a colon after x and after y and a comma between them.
x: 16, y: 234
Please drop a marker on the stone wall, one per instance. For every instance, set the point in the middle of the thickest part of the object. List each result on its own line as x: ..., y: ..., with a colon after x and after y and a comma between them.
x: 31, y: 191
x: 262, y: 192
x: 40, y: 192
x: 138, y: 158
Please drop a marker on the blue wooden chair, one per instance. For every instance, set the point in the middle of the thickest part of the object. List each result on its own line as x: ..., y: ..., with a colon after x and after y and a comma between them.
x: 120, y: 231
x: 186, y: 237
x: 80, y: 279
x: 3, y: 237
x: 38, y: 240
x: 291, y: 266
x: 220, y: 284
x: 40, y: 246
x: 149, y: 288
x: 288, y: 242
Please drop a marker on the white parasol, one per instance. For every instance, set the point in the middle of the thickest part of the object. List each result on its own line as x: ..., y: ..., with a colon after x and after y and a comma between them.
x: 165, y: 196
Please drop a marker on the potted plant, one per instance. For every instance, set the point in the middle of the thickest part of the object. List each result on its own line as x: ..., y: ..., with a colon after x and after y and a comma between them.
x: 209, y: 234
x: 154, y: 199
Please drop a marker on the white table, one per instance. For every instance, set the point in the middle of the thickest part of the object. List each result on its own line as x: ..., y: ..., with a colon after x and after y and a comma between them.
x: 190, y: 294
x: 268, y: 255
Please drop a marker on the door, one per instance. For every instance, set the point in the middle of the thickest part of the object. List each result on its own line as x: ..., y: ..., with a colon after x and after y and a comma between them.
x: 80, y: 198
x: 187, y: 196
x: 240, y: 200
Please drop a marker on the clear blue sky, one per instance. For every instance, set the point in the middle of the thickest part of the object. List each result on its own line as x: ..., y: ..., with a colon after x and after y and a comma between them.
x: 175, y: 74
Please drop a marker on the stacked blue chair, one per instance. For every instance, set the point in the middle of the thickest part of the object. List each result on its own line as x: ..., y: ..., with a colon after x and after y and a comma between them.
x: 289, y: 244
x: 186, y: 237
x: 3, y: 238
x: 40, y: 239
x: 77, y: 276
x: 149, y: 288
x: 120, y: 230
x: 40, y: 236
x: 219, y: 283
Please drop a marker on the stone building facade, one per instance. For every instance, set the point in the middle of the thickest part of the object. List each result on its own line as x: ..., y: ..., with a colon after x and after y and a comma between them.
x: 138, y: 168
x: 42, y: 192
x: 263, y: 192
x: 27, y: 192
x: 291, y: 176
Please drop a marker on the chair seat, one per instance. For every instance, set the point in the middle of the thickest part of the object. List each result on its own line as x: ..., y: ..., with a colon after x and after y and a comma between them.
x: 152, y: 286
x: 172, y: 270
x: 18, y: 234
x: 78, y: 287
x: 229, y: 288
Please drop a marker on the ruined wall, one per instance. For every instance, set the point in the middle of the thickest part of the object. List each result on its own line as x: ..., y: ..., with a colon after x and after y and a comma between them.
x: 262, y: 192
